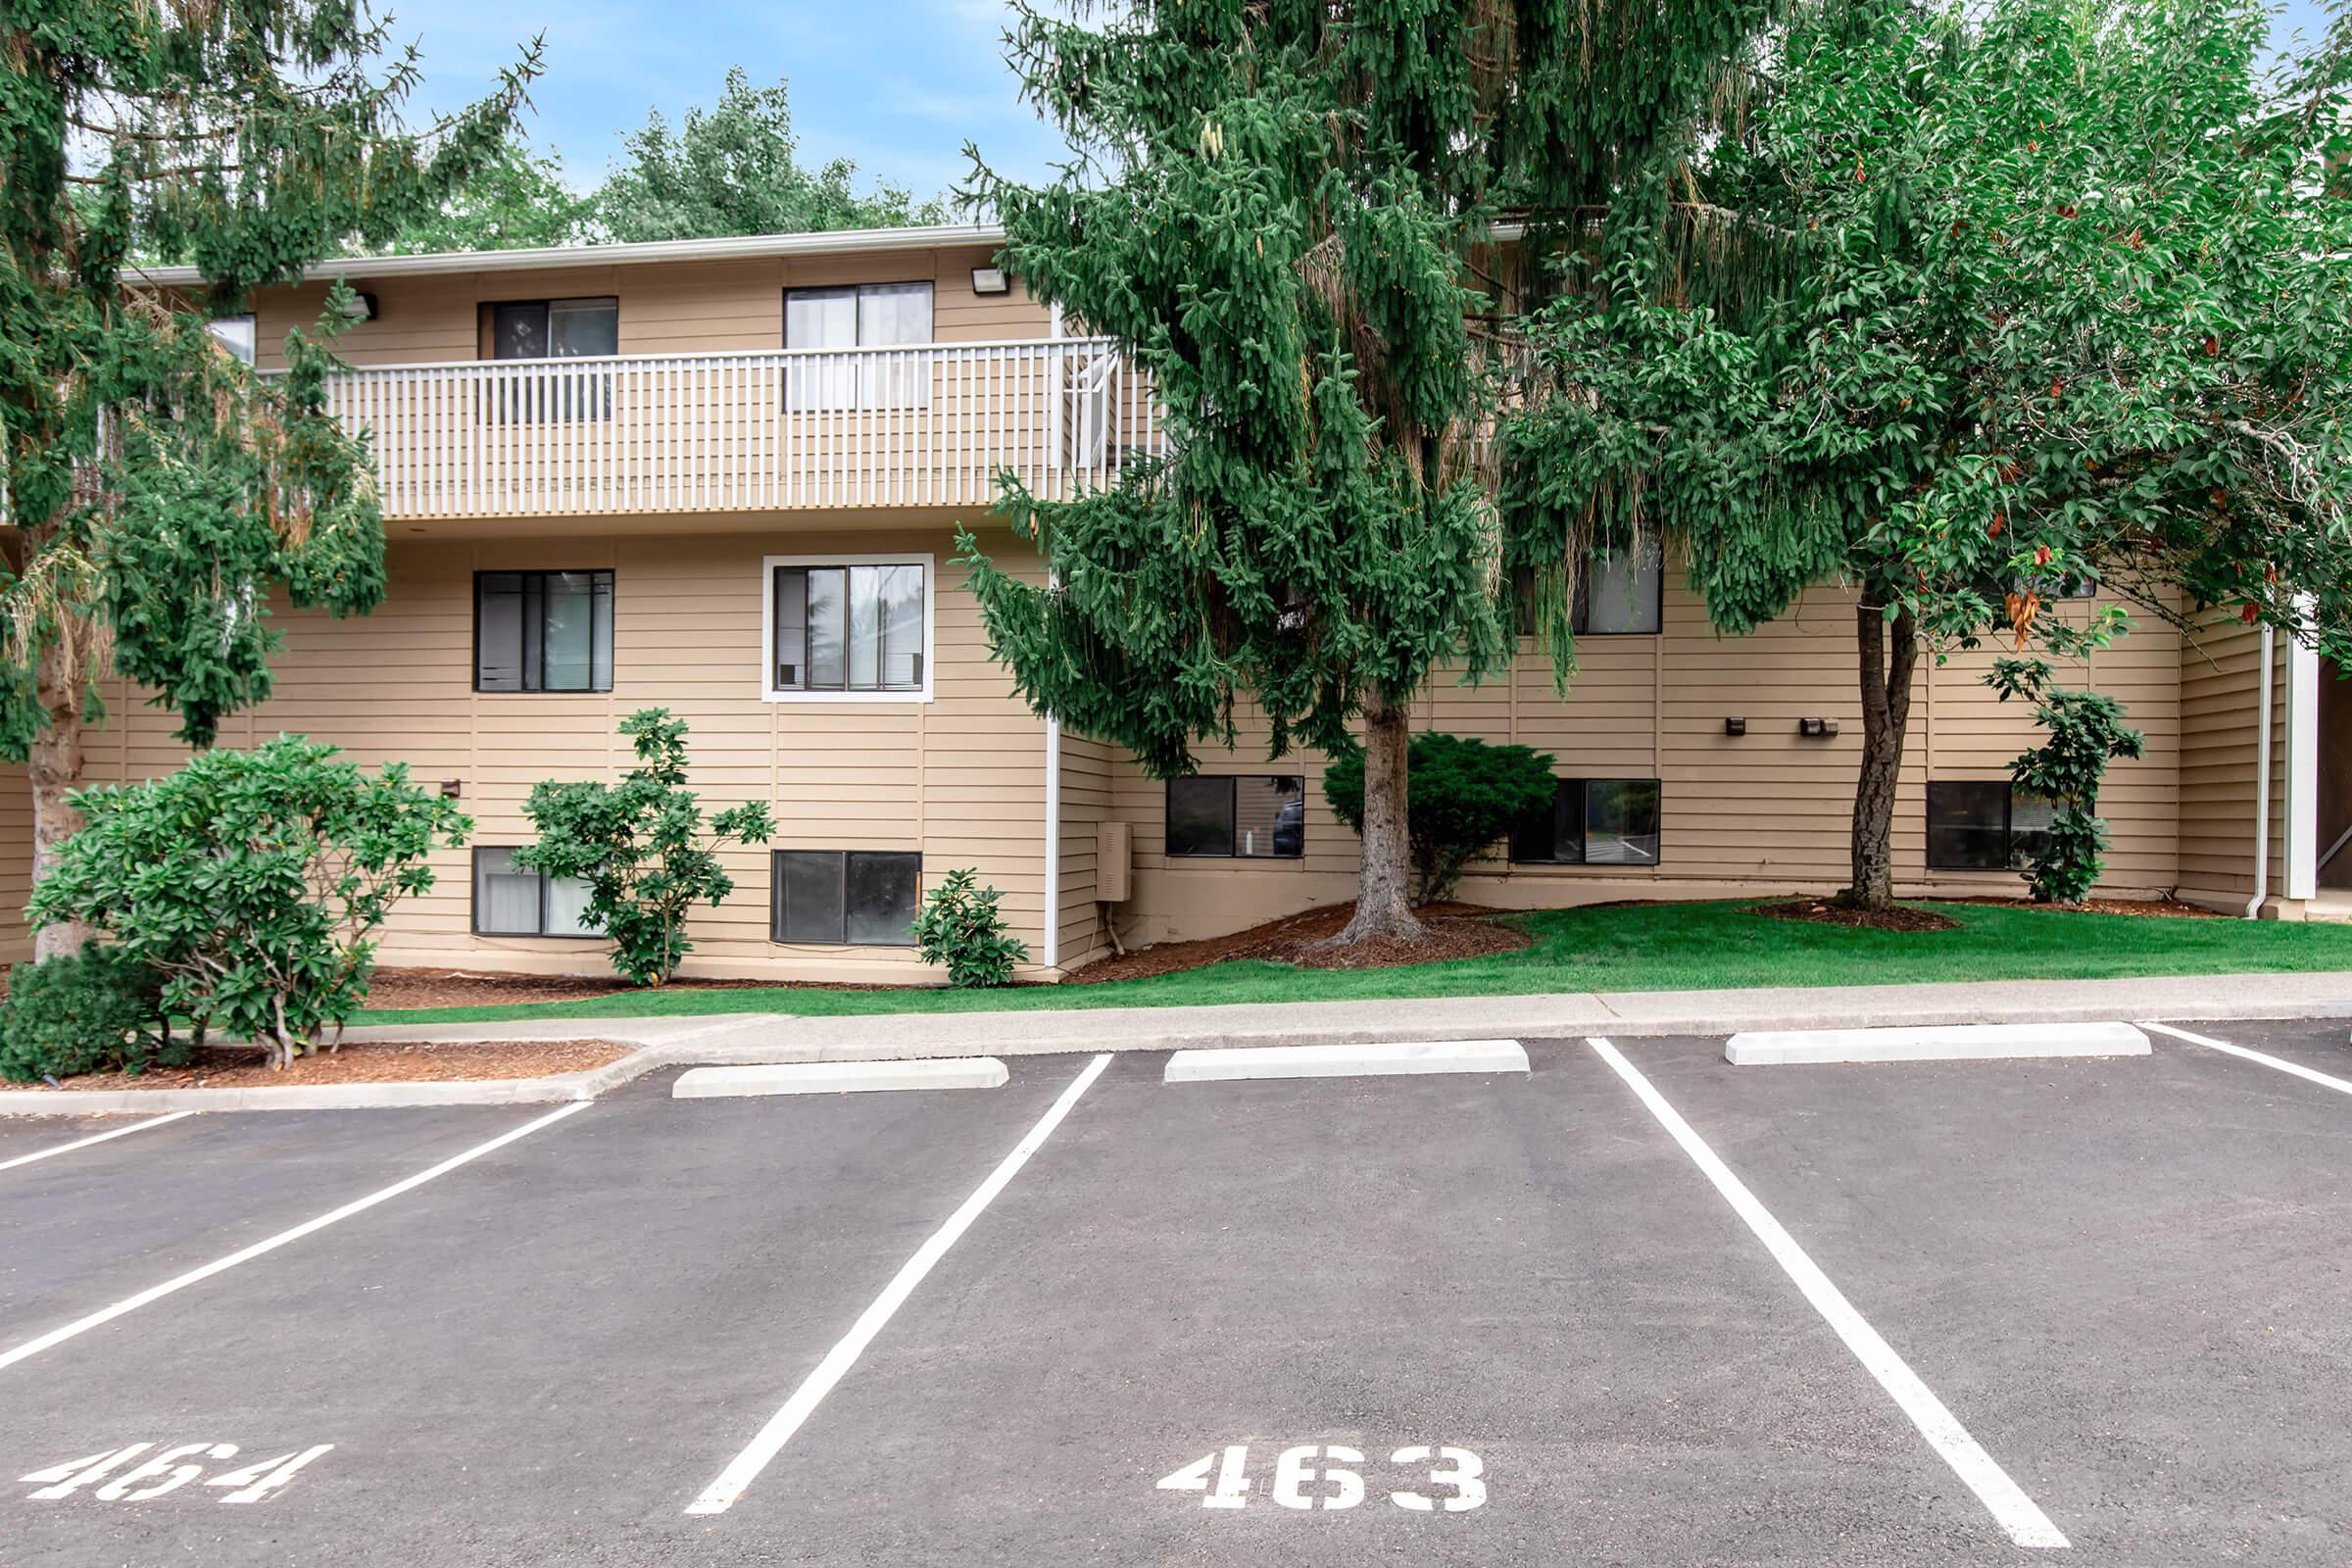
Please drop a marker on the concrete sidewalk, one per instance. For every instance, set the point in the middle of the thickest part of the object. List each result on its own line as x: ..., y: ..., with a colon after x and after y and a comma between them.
x: 1626, y: 1014
x: 720, y: 1039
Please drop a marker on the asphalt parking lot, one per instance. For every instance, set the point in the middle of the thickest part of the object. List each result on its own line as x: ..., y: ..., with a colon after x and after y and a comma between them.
x: 1092, y: 1317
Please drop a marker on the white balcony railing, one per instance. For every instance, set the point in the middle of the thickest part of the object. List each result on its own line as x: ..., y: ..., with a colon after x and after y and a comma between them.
x: 926, y: 426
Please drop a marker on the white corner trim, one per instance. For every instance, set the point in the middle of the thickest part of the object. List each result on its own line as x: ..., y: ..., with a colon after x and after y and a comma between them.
x: 1052, y: 945
x: 2302, y: 765
x: 768, y: 621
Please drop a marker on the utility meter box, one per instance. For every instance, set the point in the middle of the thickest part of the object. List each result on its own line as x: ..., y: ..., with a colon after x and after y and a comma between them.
x: 1115, y: 861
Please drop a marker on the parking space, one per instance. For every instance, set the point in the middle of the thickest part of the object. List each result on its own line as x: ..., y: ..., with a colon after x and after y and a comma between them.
x: 1465, y: 1320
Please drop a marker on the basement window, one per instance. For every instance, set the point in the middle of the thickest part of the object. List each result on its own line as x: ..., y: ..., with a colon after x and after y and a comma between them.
x: 835, y: 897
x: 1246, y: 816
x: 1984, y: 825
x: 510, y: 902
x: 1593, y: 821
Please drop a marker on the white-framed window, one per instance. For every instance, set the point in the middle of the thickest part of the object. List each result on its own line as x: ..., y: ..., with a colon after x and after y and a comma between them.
x: 847, y: 628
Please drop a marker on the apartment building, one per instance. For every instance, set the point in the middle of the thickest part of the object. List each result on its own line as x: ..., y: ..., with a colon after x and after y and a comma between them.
x: 726, y: 476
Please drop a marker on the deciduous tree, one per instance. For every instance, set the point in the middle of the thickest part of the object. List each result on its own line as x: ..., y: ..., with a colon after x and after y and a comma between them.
x: 733, y: 170
x: 1970, y: 309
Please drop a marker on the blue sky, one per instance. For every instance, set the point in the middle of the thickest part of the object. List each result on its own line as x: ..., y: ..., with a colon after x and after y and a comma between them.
x: 895, y: 86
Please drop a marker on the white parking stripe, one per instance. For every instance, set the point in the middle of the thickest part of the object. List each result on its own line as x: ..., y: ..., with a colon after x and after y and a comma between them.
x: 2339, y: 1085
x: 721, y: 1495
x: 196, y: 1276
x: 2017, y: 1513
x: 94, y: 1138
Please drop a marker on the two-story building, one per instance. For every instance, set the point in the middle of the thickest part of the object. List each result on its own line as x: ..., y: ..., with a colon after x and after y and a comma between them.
x: 724, y: 477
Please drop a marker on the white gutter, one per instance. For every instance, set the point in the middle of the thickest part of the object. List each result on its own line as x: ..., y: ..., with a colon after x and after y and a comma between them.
x: 2262, y: 781
x: 2302, y: 758
x: 1052, y: 842
x: 734, y: 247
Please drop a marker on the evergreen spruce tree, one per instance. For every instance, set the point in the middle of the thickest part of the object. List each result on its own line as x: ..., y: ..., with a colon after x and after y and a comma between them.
x: 161, y: 490
x: 1287, y: 212
x: 1996, y: 304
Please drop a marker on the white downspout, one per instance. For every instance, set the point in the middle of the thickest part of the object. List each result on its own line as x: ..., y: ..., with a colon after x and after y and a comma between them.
x: 2262, y: 781
x: 1052, y: 842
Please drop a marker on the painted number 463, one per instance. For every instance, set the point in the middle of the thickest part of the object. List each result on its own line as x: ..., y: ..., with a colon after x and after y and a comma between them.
x: 1323, y: 1476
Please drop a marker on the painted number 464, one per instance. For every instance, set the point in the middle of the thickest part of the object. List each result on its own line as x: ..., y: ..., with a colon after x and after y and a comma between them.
x: 1328, y: 1469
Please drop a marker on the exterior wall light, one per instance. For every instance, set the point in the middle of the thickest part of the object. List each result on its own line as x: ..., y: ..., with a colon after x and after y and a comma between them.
x: 1735, y: 726
x: 1817, y: 728
x: 361, y: 308
x: 990, y: 280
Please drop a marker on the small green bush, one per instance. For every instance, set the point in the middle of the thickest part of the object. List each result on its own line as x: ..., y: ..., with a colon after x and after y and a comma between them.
x: 253, y: 882
x: 640, y: 847
x: 2085, y: 731
x: 97, y: 1011
x: 1461, y: 795
x: 959, y: 927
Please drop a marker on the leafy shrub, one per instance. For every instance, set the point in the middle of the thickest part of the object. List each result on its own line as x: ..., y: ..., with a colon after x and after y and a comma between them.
x: 253, y: 882
x: 959, y: 927
x: 96, y: 1011
x: 1461, y: 795
x: 639, y: 845
x: 2085, y: 731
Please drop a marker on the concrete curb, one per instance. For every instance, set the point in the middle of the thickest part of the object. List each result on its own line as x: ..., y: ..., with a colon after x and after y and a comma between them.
x: 839, y: 1077
x: 1965, y: 1042
x: 723, y: 1039
x: 1405, y: 1058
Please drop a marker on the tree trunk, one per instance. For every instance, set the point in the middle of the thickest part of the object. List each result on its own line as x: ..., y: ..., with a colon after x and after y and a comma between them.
x: 53, y: 768
x: 1384, y: 879
x: 1885, y: 710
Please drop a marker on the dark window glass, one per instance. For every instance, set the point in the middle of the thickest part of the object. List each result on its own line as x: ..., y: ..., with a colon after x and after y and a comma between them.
x: 1599, y: 821
x: 1968, y: 824
x: 1982, y: 825
x: 1621, y: 595
x: 1250, y: 816
x: 1199, y: 816
x: 543, y: 631
x: 849, y: 628
x: 510, y: 902
x: 834, y: 897
x: 554, y: 329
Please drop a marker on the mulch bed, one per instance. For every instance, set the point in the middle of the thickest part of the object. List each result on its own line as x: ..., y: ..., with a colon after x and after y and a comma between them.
x: 396, y: 988
x: 369, y: 1062
x: 2168, y: 908
x: 1822, y: 911
x: 1455, y: 931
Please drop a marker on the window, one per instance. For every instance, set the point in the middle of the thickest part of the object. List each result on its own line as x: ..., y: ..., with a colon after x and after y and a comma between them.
x: 555, y: 330
x: 235, y: 333
x: 543, y: 631
x: 552, y: 329
x: 849, y: 628
x: 1622, y: 596
x: 1593, y: 821
x: 837, y: 897
x: 1250, y: 817
x: 1980, y: 825
x: 510, y: 902
x: 867, y: 315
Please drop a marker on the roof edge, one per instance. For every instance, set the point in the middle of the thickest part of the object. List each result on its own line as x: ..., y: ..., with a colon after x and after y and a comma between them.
x: 737, y: 247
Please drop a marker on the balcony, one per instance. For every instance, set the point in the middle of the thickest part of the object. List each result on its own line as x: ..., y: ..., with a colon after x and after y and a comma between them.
x: 920, y: 426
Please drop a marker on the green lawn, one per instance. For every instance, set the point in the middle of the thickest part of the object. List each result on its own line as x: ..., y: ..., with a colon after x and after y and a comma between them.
x: 1659, y: 947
